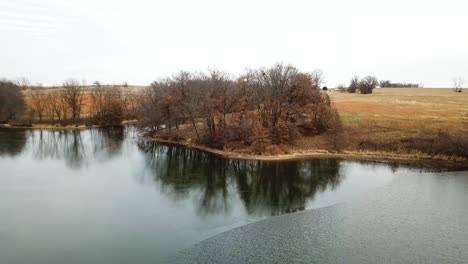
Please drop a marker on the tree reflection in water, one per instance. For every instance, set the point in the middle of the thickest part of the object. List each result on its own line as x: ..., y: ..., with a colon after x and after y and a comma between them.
x: 107, y: 142
x: 265, y: 188
x: 12, y: 141
x: 283, y: 187
x: 70, y: 146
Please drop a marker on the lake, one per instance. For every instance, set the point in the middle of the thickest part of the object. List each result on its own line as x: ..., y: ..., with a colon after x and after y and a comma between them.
x: 106, y: 196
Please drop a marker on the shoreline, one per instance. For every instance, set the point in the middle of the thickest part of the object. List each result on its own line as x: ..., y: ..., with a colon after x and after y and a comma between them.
x: 375, y: 156
x: 52, y: 127
x: 384, y: 157
x: 60, y: 127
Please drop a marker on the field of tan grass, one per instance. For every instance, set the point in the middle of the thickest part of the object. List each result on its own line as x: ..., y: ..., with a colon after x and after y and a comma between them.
x: 396, y: 113
x: 414, y: 123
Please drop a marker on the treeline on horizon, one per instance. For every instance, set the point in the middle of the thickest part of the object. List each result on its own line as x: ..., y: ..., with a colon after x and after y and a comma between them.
x: 367, y: 85
x: 390, y: 84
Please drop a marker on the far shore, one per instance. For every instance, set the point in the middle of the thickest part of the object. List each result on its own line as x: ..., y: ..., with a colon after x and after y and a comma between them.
x: 423, y: 159
x: 62, y: 127
x: 50, y: 127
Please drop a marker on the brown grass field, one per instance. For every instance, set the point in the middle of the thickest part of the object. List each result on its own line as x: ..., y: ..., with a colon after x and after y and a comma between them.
x: 391, y: 116
x: 394, y: 113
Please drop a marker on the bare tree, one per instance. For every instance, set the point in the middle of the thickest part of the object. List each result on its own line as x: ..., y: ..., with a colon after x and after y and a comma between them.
x: 368, y: 84
x: 72, y: 95
x: 38, y: 101
x: 458, y: 83
x: 216, y: 103
x: 97, y: 100
x: 159, y: 106
x: 54, y: 105
x: 272, y: 88
x: 354, y: 85
x: 188, y: 97
x: 107, y: 104
x: 318, y: 77
x: 23, y: 82
x: 130, y: 96
x: 285, y: 99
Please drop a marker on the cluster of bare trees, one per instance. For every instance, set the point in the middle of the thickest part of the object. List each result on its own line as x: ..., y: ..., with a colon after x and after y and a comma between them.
x: 64, y: 104
x: 11, y: 100
x: 76, y: 102
x: 262, y: 108
x: 112, y: 104
x: 47, y: 105
x: 365, y: 85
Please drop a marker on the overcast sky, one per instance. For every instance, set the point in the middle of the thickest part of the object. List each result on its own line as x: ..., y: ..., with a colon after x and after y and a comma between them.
x: 138, y: 41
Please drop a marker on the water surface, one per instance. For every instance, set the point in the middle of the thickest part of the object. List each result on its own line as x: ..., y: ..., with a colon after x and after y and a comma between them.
x: 416, y: 218
x: 105, y: 196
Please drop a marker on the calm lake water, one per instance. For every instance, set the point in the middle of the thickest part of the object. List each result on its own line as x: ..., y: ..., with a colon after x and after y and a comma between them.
x: 105, y: 196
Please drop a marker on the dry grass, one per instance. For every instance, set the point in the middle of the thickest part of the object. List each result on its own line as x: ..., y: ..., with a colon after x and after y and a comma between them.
x: 421, y: 123
x: 399, y: 113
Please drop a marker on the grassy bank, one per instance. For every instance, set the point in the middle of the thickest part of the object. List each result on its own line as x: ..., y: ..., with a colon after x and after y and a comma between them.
x: 414, y: 158
x: 47, y: 127
x: 58, y: 126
